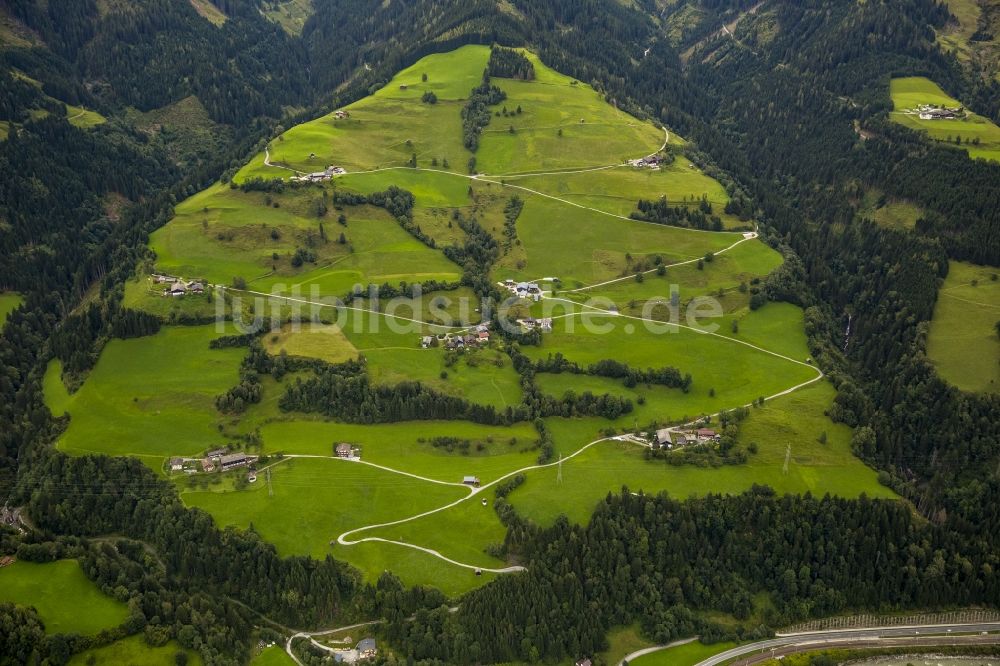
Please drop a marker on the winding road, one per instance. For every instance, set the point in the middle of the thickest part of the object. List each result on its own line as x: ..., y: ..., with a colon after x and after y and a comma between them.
x: 347, y: 538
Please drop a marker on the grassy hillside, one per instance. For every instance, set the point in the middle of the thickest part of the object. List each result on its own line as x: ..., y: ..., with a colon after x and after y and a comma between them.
x: 403, y: 507
x: 134, y: 650
x: 149, y: 397
x: 66, y: 600
x: 963, y: 342
x: 9, y: 301
x: 979, y: 136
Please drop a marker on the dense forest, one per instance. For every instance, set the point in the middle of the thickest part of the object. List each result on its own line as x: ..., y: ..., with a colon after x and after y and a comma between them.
x: 792, y: 120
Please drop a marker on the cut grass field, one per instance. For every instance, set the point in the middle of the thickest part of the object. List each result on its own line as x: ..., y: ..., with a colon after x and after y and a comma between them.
x: 315, y: 500
x: 134, y: 650
x: 274, y: 655
x: 66, y: 600
x: 154, y: 396
x: 963, y: 343
x: 737, y: 373
x: 795, y: 420
x: 618, y: 190
x: 910, y: 92
x: 9, y: 301
x: 222, y: 233
x: 151, y: 397
x: 291, y: 15
x: 600, y: 244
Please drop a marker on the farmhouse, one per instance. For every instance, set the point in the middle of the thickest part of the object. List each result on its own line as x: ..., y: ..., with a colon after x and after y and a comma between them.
x: 344, y: 450
x: 426, y: 341
x: 341, y: 114
x: 367, y: 648
x: 650, y: 162
x: 928, y: 112
x: 471, y: 481
x: 705, y: 433
x: 176, y: 289
x: 664, y: 438
x: 234, y: 460
x: 583, y: 662
x: 207, y: 465
x: 320, y: 176
x: 176, y: 464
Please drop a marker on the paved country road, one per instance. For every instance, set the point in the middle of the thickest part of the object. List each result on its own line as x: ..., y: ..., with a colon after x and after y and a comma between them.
x: 842, y: 638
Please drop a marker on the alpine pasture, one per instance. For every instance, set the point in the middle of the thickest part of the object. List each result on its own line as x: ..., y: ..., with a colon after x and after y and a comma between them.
x: 964, y: 339
x: 556, y: 149
x: 979, y: 136
x: 60, y: 592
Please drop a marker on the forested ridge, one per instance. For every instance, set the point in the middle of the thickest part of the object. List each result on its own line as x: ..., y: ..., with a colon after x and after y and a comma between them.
x: 777, y: 111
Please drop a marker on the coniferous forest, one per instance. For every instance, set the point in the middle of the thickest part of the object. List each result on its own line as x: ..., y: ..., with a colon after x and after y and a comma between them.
x: 794, y: 123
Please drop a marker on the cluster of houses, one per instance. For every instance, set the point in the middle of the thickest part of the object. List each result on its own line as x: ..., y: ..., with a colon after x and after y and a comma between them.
x: 675, y: 438
x: 365, y: 649
x: 648, y: 162
x: 217, y: 459
x: 543, y: 324
x: 525, y: 289
x: 479, y: 337
x: 930, y: 112
x: 176, y: 287
x: 347, y: 451
x: 320, y: 176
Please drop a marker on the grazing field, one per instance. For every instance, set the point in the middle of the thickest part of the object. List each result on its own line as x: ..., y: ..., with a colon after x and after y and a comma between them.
x: 601, y: 245
x: 617, y: 190
x: 9, y: 301
x: 978, y: 135
x: 297, y: 249
x: 274, y: 655
x: 150, y: 397
x: 289, y: 14
x: 315, y: 500
x: 795, y: 420
x: 66, y: 600
x: 964, y: 342
x: 323, y: 341
x: 134, y: 650
x: 223, y: 233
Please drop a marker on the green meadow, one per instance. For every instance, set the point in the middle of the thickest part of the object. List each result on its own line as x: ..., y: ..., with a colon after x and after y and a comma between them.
x: 601, y: 244
x: 735, y: 372
x: 134, y: 650
x: 795, y: 420
x: 408, y: 446
x: 66, y: 600
x: 910, y: 92
x: 151, y: 397
x: 310, y: 502
x: 9, y: 301
x: 223, y: 233
x: 154, y: 397
x: 963, y: 342
x: 618, y: 190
